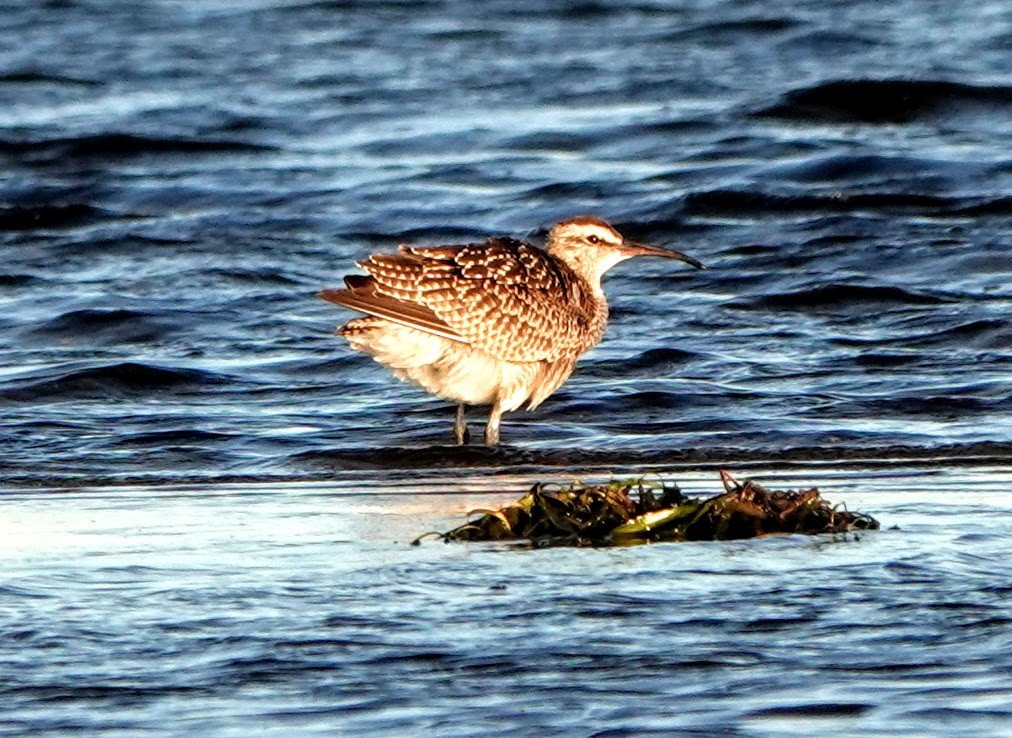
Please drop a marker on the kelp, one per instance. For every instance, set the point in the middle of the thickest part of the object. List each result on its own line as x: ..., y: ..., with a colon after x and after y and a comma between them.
x: 641, y: 510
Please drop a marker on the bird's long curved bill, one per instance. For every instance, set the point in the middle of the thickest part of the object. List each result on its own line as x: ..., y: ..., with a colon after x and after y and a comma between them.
x: 643, y: 249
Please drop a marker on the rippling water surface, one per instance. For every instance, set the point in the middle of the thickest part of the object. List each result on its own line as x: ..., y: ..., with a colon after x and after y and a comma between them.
x: 301, y: 610
x: 178, y: 179
x: 181, y: 178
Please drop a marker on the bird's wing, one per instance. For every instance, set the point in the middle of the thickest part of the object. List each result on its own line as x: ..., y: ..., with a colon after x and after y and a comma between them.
x: 506, y: 297
x: 361, y: 295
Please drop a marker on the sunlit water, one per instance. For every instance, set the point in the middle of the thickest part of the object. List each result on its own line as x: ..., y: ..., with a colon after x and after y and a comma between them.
x: 303, y: 610
x: 207, y: 499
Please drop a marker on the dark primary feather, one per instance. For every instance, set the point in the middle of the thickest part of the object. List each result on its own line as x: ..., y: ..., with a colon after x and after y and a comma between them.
x: 360, y: 297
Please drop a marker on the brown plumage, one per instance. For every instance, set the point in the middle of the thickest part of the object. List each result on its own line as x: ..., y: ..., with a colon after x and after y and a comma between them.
x: 499, y: 323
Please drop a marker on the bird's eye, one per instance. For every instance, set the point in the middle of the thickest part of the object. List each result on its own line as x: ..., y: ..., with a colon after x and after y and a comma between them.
x: 594, y: 239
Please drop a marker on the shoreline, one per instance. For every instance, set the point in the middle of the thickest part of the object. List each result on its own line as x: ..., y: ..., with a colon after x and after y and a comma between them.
x: 426, y: 464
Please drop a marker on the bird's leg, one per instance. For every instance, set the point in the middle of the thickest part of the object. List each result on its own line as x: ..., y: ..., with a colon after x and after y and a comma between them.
x: 460, y: 432
x: 492, y: 429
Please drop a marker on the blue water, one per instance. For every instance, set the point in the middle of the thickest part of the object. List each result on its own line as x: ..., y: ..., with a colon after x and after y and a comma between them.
x: 178, y: 180
x: 301, y: 610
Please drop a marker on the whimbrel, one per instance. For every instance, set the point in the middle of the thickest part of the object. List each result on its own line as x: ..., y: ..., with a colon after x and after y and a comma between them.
x: 500, y: 323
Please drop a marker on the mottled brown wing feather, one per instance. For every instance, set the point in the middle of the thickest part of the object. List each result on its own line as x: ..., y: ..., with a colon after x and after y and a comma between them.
x: 505, y: 297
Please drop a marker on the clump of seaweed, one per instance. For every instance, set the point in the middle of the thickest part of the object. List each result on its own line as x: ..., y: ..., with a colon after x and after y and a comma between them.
x: 602, y: 515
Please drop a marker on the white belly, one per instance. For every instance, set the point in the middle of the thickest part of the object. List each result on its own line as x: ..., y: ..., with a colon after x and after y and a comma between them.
x: 448, y: 369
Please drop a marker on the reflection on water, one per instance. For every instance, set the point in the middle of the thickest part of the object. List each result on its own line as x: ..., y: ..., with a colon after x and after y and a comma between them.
x: 302, y: 610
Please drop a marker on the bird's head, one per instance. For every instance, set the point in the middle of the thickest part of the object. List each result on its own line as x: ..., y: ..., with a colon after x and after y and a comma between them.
x: 591, y: 247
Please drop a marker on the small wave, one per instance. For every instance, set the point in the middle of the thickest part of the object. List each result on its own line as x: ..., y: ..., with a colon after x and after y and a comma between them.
x: 254, y: 275
x: 453, y: 35
x: 576, y: 191
x: 46, y: 217
x: 585, y: 9
x: 739, y: 29
x: 306, y: 6
x: 643, y: 405
x: 753, y: 249
x: 43, y: 78
x: 175, y: 437
x: 978, y: 334
x: 882, y: 100
x: 881, y: 360
x: 551, y: 141
x: 739, y: 202
x: 836, y: 295
x: 849, y: 167
x: 17, y: 280
x: 111, y: 380
x: 954, y: 407
x: 121, y: 695
x: 814, y: 710
x: 122, y: 145
x: 96, y: 325
x: 981, y: 334
x: 441, y: 234
x: 822, y: 41
x: 324, y: 369
x: 995, y: 206
x: 657, y: 359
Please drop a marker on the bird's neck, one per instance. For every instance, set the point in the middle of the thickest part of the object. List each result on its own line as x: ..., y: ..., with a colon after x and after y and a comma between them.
x: 589, y: 269
x: 583, y: 282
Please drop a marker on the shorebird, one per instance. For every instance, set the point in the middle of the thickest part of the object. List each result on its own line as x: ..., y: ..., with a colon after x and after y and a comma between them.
x: 500, y: 323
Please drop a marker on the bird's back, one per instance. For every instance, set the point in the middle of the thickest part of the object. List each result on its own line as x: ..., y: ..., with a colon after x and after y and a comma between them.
x: 505, y: 297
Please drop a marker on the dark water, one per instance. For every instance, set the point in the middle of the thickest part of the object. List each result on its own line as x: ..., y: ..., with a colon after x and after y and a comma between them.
x: 180, y: 178
x: 177, y: 180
